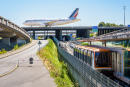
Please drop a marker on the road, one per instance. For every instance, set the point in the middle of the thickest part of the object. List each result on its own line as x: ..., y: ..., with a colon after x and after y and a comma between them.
x: 26, y: 75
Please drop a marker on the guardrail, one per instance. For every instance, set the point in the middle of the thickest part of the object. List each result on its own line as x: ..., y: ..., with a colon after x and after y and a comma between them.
x: 119, y: 34
x: 14, y: 26
x: 84, y: 74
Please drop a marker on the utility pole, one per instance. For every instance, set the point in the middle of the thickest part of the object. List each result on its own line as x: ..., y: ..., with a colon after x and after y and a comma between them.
x: 124, y: 15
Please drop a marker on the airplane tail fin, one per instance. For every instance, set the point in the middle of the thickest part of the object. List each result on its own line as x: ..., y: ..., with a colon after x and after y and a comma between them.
x: 74, y: 14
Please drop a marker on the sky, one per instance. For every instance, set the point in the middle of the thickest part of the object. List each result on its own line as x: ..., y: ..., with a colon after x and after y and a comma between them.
x: 91, y: 12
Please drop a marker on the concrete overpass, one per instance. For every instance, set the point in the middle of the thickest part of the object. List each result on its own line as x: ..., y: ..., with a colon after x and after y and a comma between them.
x: 81, y: 31
x: 12, y: 33
x: 123, y: 34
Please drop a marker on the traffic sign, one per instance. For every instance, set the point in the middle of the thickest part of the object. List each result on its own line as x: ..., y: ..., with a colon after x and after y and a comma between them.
x: 71, y: 35
x: 31, y: 60
x: 94, y: 28
x: 39, y: 45
x: 39, y: 42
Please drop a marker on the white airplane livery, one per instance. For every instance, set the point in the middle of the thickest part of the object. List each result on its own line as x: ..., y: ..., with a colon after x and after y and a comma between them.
x: 53, y: 22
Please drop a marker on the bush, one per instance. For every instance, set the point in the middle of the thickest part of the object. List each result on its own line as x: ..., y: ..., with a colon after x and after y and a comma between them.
x: 16, y: 46
x: 3, y: 50
x: 91, y: 35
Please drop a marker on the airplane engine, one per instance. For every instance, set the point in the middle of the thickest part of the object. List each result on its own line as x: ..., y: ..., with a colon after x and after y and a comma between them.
x: 42, y: 25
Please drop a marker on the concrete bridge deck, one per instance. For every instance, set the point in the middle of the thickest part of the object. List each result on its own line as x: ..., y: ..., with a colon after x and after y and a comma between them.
x: 10, y: 32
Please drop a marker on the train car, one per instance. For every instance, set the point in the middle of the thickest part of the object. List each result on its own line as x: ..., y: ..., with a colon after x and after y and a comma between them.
x: 99, y: 59
x: 120, y: 63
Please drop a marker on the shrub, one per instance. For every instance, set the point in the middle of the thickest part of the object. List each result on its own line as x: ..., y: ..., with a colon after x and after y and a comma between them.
x: 16, y: 46
x: 3, y: 50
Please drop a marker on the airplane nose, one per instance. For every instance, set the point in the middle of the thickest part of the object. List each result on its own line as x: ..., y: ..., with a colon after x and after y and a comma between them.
x: 24, y: 23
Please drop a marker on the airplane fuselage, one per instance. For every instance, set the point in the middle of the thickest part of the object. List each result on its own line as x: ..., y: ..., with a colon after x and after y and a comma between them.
x: 42, y: 22
x: 54, y: 21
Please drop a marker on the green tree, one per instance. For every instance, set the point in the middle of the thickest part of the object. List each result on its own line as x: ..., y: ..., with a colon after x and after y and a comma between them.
x: 114, y: 24
x: 101, y: 24
x: 91, y: 35
x: 108, y: 24
x: 121, y: 25
x: 96, y: 34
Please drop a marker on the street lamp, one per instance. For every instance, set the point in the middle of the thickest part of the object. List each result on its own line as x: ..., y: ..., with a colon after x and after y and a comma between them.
x: 124, y: 15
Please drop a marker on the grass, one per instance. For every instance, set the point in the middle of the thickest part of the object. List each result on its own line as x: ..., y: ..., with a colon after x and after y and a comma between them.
x: 3, y: 51
x: 78, y: 38
x: 58, y: 69
x: 84, y: 43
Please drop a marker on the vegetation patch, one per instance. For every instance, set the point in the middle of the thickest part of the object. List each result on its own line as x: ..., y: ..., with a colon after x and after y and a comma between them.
x: 58, y: 69
x: 18, y: 47
x: 84, y: 43
x: 3, y: 51
x: 78, y: 38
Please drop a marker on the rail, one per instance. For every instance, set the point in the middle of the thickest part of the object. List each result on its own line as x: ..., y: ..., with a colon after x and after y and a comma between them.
x: 13, y: 26
x: 119, y: 34
x: 95, y: 78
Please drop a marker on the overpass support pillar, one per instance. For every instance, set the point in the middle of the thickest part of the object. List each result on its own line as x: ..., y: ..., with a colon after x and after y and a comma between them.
x: 6, y: 40
x: 128, y: 42
x: 78, y: 33
x: 105, y: 31
x: 33, y: 34
x: 104, y: 43
x: 90, y: 43
x: 83, y: 33
x: 99, y: 32
x: 59, y: 34
x: 102, y: 31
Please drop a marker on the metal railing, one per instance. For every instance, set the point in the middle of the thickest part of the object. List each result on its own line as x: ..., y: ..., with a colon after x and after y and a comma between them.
x: 14, y: 26
x: 119, y: 34
x: 95, y: 78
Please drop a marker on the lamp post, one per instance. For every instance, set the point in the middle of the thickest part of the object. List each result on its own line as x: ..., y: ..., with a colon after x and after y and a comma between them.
x: 124, y: 15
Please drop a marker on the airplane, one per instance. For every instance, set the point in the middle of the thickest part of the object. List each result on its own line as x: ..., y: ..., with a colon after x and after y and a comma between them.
x: 53, y: 22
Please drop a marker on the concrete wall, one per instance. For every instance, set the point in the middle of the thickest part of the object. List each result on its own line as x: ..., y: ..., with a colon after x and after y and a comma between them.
x: 59, y: 34
x: 6, y: 41
x: 21, y: 40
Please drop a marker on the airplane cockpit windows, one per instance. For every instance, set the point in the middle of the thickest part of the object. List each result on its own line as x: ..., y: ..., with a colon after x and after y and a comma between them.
x: 27, y: 20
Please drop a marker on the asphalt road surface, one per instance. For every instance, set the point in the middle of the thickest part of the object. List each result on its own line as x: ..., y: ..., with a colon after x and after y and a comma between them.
x: 26, y: 75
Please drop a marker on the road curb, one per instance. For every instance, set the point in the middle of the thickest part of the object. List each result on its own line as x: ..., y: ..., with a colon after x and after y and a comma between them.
x: 16, y: 52
x: 9, y: 71
x: 44, y: 63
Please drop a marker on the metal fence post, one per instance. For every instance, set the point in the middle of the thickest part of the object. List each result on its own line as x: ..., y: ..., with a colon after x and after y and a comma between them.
x: 107, y: 81
x: 91, y: 76
x: 101, y: 79
x: 117, y: 84
x: 18, y: 63
x: 95, y: 79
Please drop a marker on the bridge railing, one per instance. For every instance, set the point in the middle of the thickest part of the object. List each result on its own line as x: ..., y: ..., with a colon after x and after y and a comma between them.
x: 83, y: 73
x: 14, y: 26
x: 123, y: 33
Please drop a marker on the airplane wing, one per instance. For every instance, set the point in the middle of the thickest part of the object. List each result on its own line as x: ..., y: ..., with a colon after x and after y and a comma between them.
x: 50, y: 23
